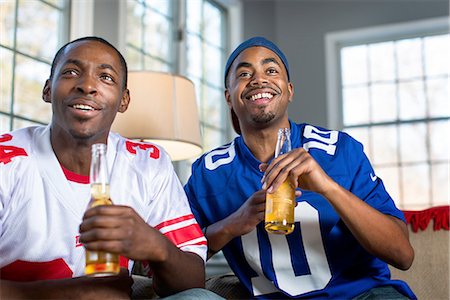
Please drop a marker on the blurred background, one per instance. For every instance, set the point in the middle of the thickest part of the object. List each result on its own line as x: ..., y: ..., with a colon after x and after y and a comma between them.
x: 377, y: 69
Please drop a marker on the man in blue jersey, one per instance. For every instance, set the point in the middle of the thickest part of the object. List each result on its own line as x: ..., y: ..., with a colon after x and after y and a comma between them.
x: 347, y: 228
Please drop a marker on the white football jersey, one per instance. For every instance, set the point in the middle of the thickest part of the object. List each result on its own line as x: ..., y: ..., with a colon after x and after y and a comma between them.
x: 40, y: 210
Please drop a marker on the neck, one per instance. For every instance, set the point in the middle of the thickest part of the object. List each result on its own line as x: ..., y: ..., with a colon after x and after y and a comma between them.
x: 262, y: 141
x: 72, y: 153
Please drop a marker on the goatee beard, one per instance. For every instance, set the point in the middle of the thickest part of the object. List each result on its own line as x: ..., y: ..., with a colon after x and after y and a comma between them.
x: 263, y: 117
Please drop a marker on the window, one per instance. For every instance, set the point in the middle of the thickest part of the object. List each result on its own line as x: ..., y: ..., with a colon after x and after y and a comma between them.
x: 188, y: 38
x: 394, y: 96
x: 30, y: 34
x: 150, y: 38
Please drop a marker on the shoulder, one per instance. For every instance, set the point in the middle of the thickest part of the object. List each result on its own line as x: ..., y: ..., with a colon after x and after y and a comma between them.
x: 217, y: 159
x: 138, y: 151
x: 320, y: 139
x: 18, y: 145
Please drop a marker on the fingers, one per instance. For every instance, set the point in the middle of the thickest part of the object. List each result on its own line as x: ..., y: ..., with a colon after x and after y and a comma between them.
x: 110, y: 210
x: 283, y: 167
x: 109, y: 228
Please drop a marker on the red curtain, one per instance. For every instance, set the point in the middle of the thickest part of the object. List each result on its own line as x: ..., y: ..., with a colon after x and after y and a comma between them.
x: 420, y: 218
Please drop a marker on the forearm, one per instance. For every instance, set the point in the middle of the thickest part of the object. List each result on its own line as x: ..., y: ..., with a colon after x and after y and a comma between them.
x: 381, y: 235
x: 71, y: 288
x: 219, y: 234
x: 178, y: 271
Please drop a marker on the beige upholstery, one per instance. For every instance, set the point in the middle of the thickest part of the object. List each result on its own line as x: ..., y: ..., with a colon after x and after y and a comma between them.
x: 429, y: 276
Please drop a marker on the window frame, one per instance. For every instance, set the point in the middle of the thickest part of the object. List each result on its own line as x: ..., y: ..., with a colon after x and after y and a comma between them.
x: 334, y: 41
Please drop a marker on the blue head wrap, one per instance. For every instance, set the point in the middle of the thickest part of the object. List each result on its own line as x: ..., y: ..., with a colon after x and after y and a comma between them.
x: 257, y: 41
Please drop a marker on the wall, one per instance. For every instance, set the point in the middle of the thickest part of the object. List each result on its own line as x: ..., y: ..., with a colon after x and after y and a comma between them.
x: 299, y: 28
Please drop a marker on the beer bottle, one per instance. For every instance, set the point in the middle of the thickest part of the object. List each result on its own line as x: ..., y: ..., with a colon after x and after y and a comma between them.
x: 280, y: 204
x: 99, y: 263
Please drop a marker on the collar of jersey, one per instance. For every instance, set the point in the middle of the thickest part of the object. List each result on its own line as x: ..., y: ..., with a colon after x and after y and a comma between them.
x: 251, y: 159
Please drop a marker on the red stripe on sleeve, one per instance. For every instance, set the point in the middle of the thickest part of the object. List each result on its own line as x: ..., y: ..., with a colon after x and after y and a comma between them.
x: 185, y: 234
x: 123, y: 261
x: 174, y: 221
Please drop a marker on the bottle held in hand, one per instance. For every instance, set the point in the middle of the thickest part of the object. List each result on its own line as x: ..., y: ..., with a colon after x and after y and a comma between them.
x: 280, y: 205
x: 100, y: 263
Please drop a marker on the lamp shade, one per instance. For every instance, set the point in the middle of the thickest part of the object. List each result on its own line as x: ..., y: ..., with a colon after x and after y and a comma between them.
x: 162, y: 110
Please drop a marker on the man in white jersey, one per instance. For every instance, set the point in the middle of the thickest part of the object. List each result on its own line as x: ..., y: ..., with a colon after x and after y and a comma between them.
x: 44, y: 193
x: 347, y: 228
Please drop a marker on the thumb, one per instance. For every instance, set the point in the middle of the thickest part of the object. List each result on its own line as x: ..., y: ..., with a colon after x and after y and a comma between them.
x: 263, y: 167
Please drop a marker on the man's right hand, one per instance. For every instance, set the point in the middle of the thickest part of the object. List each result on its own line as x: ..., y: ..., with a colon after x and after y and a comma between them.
x: 250, y: 214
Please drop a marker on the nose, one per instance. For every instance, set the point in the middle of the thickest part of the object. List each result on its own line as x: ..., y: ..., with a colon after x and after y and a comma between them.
x: 259, y: 78
x: 87, y: 85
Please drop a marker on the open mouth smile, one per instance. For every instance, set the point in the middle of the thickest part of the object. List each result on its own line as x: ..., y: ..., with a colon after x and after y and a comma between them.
x: 83, y: 107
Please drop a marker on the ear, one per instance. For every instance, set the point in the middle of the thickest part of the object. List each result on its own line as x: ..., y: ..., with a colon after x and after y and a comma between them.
x: 124, y: 101
x: 291, y: 91
x: 46, y: 91
x: 228, y: 98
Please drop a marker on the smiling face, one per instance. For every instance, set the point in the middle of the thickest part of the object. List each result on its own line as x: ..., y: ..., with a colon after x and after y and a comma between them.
x: 258, y: 88
x: 86, y: 91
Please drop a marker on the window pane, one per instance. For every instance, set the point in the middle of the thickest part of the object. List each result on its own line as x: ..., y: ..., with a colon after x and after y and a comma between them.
x: 135, y: 12
x: 28, y: 89
x: 409, y: 55
x: 438, y: 97
x: 214, y: 107
x: 439, y: 140
x: 134, y: 59
x: 153, y: 64
x: 19, y: 123
x: 7, y: 20
x: 194, y: 21
x: 4, y: 123
x: 383, y: 102
x: 213, y: 24
x: 354, y: 65
x: 390, y: 177
x: 412, y: 100
x: 382, y: 64
x: 211, y: 138
x: 384, y: 144
x: 35, y: 28
x: 194, y: 57
x: 212, y: 56
x: 161, y: 6
x: 6, y: 57
x: 416, y: 186
x: 440, y: 177
x: 361, y: 134
x: 157, y: 38
x: 356, y: 105
x: 412, y: 142
x: 437, y: 59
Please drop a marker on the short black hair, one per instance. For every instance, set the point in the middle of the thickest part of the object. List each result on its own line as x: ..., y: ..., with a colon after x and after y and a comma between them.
x: 123, y: 63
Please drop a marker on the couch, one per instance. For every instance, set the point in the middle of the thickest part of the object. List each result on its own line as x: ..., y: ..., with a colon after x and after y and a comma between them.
x: 428, y: 277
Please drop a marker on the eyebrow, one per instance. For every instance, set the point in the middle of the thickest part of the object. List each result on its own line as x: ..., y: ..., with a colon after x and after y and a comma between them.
x: 79, y: 63
x: 264, y: 62
x: 270, y: 60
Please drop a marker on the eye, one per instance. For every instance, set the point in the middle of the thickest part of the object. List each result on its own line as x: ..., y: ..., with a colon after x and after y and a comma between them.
x: 107, y: 77
x: 272, y: 71
x: 244, y: 74
x: 69, y: 72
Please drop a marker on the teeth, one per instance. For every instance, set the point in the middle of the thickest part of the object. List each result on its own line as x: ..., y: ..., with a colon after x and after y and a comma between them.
x: 261, y: 95
x: 83, y: 107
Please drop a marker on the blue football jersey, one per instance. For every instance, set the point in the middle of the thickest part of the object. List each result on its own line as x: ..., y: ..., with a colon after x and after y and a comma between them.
x: 321, y: 258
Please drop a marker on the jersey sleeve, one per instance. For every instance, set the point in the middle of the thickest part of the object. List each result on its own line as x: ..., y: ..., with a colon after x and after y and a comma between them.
x: 172, y: 215
x: 365, y: 184
x: 191, y: 191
